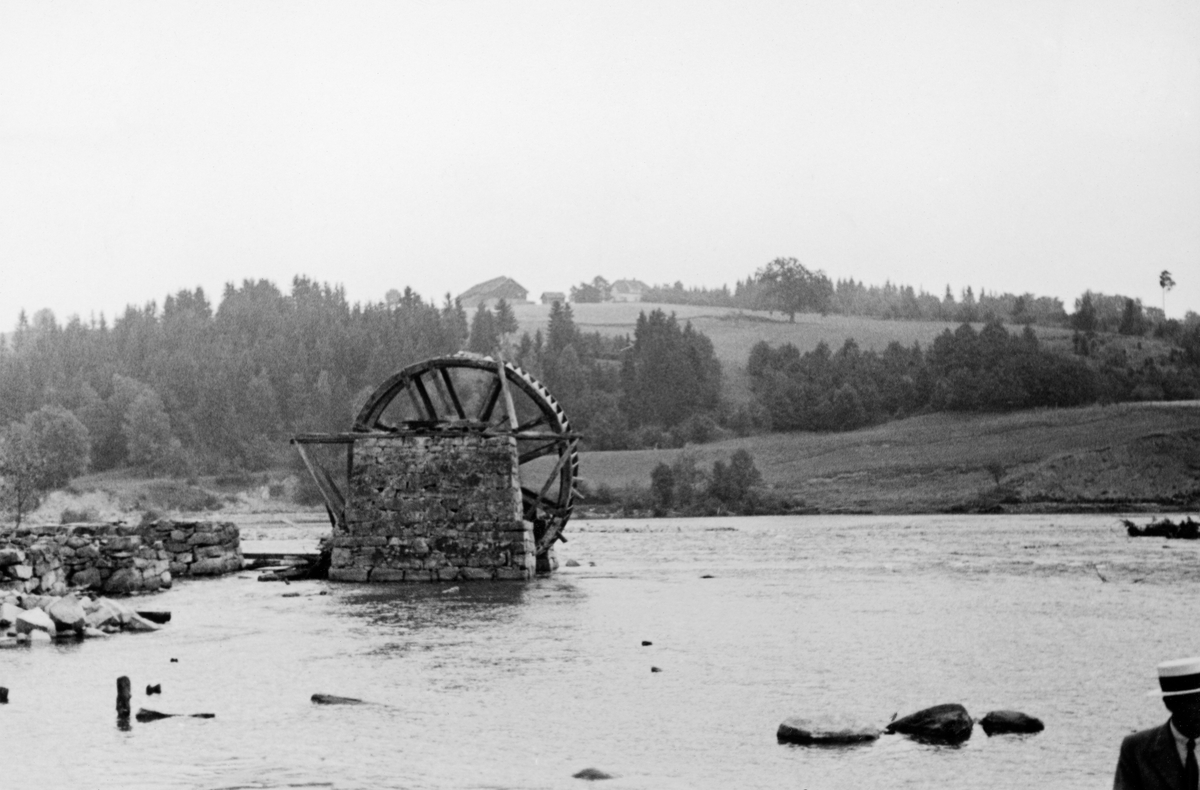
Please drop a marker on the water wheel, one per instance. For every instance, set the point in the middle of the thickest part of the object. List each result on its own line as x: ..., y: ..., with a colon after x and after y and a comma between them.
x: 466, y: 392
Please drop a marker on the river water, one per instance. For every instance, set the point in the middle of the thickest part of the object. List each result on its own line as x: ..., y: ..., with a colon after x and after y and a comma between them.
x: 509, y: 685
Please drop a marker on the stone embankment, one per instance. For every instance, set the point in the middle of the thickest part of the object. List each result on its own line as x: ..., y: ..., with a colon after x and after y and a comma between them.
x: 113, y: 558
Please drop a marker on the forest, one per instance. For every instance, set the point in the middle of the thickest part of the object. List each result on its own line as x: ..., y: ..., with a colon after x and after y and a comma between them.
x: 191, y: 388
x: 964, y: 370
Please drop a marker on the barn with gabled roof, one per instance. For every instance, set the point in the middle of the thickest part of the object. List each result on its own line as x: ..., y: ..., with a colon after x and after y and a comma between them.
x: 492, y: 291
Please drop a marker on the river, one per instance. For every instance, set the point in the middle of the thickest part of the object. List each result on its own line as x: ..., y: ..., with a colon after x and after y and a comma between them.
x: 509, y: 685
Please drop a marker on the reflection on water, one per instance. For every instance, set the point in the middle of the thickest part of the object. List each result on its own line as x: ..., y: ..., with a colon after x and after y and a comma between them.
x: 509, y: 685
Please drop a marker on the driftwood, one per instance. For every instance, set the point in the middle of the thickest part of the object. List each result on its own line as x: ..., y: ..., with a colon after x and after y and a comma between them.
x: 1165, y: 528
x: 145, y: 714
x: 333, y: 699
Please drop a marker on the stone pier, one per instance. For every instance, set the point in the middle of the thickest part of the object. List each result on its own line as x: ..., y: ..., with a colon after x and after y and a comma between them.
x: 436, y: 506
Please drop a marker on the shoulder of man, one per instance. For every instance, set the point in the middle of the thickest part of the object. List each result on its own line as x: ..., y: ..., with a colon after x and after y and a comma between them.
x: 1142, y: 738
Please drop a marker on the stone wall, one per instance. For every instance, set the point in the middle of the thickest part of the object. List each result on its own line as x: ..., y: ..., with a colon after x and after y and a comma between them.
x: 433, y: 508
x: 115, y: 559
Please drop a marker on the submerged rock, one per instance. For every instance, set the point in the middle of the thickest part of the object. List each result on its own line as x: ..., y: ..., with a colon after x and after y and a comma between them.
x: 333, y: 699
x: 591, y: 774
x: 942, y: 724
x: 807, y: 732
x: 30, y: 620
x: 68, y: 614
x: 998, y: 722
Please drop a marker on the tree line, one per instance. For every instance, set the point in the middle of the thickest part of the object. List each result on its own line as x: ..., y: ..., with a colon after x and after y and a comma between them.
x: 964, y: 370
x: 187, y: 389
x: 786, y: 285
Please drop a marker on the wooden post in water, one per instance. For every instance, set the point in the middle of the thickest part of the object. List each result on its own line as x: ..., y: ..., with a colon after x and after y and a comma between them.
x: 123, y: 695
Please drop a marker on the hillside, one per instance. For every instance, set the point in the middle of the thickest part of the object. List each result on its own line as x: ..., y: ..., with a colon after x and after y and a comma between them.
x: 734, y: 333
x: 1127, y: 457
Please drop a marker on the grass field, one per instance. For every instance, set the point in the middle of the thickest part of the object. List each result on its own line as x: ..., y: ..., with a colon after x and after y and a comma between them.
x: 1137, y: 456
x: 734, y: 333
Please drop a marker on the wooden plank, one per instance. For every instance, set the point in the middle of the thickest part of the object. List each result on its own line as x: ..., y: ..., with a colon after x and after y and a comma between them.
x: 324, y: 438
x: 335, y: 502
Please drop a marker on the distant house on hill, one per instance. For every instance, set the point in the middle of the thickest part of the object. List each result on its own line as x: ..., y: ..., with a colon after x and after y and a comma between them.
x: 492, y: 291
x: 550, y: 297
x: 628, y: 290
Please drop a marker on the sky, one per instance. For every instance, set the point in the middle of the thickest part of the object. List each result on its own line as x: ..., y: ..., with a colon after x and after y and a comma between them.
x: 1050, y: 146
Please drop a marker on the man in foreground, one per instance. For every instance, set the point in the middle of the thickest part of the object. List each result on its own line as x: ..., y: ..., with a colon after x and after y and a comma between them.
x: 1164, y: 757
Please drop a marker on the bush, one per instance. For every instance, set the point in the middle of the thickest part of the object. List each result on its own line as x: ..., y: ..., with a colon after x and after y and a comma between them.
x: 70, y: 516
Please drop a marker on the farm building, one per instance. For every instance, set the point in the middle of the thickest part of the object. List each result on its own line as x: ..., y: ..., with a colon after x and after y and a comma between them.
x: 550, y: 297
x: 628, y: 290
x: 492, y: 291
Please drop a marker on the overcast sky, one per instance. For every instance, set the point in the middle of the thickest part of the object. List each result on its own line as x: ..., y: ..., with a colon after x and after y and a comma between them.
x: 1049, y: 146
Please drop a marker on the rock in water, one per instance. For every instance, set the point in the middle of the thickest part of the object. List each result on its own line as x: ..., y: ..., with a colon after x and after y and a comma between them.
x: 333, y: 699
x: 940, y: 724
x: 808, y: 732
x: 8, y: 614
x: 591, y: 774
x: 67, y: 614
x: 998, y: 722
x: 30, y: 620
x: 157, y: 616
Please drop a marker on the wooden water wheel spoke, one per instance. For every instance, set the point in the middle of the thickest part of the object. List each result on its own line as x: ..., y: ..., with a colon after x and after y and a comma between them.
x: 445, y: 413
x: 536, y: 421
x: 462, y: 415
x: 549, y: 506
x: 471, y: 384
x: 425, y: 399
x: 490, y: 401
x: 418, y: 408
x: 538, y: 452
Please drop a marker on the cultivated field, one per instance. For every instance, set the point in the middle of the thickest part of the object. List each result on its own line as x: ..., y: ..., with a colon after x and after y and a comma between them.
x: 1131, y: 456
x: 734, y: 332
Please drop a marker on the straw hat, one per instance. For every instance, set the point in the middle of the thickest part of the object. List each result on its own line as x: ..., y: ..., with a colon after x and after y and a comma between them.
x: 1178, y: 676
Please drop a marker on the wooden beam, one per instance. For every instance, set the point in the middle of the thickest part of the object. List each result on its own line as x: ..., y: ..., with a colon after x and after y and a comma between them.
x: 508, y: 400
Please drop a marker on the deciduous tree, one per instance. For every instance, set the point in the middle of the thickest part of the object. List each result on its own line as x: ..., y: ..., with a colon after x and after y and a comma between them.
x: 791, y: 288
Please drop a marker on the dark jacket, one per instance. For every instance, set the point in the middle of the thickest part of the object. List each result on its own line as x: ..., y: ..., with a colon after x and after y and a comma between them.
x: 1149, y: 761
